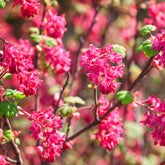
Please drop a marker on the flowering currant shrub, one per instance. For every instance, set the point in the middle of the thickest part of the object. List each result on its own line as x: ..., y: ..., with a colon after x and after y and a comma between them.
x: 82, y: 82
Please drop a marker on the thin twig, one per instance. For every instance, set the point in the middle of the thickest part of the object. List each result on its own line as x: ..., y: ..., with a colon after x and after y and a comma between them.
x: 15, y: 146
x: 36, y: 57
x: 95, y: 101
x: 68, y: 129
x: 61, y: 93
x: 117, y: 104
x: 82, y: 42
x: 142, y: 74
x: 11, y: 160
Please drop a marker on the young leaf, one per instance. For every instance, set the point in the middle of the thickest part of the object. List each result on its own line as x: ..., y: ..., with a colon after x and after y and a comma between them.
x: 14, y: 94
x: 74, y: 100
x: 147, y: 29
x: 8, y: 76
x: 2, y: 4
x: 34, y: 30
x: 66, y: 110
x: 125, y: 97
x: 146, y: 46
x: 7, y: 135
x: 120, y: 49
x: 8, y: 109
x: 50, y: 42
x: 36, y: 37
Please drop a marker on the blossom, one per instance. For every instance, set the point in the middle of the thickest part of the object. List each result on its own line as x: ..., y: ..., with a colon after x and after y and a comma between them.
x: 58, y: 57
x: 3, y: 161
x: 46, y: 127
x: 110, y: 127
x: 159, y: 45
x: 29, y: 8
x: 155, y: 119
x: 54, y: 25
x: 156, y: 15
x: 19, y: 61
x: 99, y: 63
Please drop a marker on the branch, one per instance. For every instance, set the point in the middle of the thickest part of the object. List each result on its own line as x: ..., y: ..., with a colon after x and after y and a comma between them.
x: 117, y: 104
x: 61, y: 93
x: 142, y: 74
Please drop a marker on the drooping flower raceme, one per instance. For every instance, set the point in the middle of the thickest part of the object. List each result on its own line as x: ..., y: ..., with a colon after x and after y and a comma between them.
x: 110, y: 128
x: 155, y: 119
x: 104, y: 66
x: 159, y: 45
x: 56, y: 56
x: 54, y: 25
x: 19, y: 61
x: 29, y: 8
x: 46, y: 127
x: 156, y: 15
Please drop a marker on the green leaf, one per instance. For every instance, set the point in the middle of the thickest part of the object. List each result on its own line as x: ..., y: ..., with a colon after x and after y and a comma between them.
x: 140, y: 48
x: 8, y: 109
x: 34, y: 30
x: 125, y: 97
x: 50, y: 42
x: 36, y: 37
x: 8, y: 76
x: 120, y: 49
x: 66, y: 110
x: 14, y: 94
x: 147, y: 29
x: 2, y: 4
x: 7, y: 135
x: 74, y: 100
x: 146, y: 46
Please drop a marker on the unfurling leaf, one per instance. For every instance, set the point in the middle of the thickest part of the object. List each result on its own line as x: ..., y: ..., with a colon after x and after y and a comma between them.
x: 125, y: 97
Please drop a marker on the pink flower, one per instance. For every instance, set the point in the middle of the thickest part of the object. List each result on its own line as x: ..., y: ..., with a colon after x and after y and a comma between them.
x: 46, y: 127
x: 155, y: 119
x: 54, y: 25
x: 58, y: 57
x: 29, y: 8
x: 36, y: 129
x: 156, y: 15
x: 3, y: 161
x: 110, y: 128
x: 159, y: 45
x: 19, y: 61
x: 99, y: 63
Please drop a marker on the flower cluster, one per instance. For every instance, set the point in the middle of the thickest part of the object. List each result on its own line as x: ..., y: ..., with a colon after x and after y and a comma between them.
x: 46, y: 127
x: 3, y: 160
x: 57, y: 56
x: 54, y: 25
x: 155, y: 119
x: 110, y: 128
x: 29, y: 8
x: 159, y: 45
x: 19, y: 61
x: 156, y: 15
x: 98, y: 62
